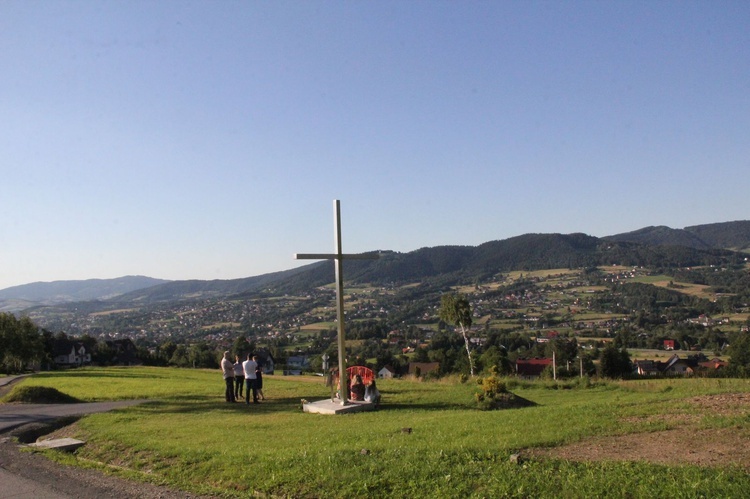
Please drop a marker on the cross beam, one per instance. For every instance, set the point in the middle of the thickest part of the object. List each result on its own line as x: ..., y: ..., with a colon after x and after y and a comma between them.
x: 338, y: 257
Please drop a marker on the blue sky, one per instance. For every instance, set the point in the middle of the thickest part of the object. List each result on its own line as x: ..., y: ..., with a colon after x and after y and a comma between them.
x: 208, y: 140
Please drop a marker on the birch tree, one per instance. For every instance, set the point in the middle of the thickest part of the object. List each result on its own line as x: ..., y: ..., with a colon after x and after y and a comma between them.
x: 455, y: 310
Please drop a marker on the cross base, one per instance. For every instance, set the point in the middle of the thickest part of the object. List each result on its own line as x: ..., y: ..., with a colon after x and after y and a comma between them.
x: 332, y: 408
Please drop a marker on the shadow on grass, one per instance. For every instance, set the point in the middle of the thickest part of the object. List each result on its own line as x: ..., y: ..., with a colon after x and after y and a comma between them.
x: 212, y: 404
x: 74, y: 373
x: 425, y: 406
x: 199, y: 405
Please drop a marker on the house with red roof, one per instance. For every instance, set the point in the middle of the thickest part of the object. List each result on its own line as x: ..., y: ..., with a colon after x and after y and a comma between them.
x: 531, y: 368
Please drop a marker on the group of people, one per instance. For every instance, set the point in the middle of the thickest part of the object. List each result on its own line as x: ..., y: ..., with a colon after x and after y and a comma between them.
x: 247, y: 374
x: 359, y: 391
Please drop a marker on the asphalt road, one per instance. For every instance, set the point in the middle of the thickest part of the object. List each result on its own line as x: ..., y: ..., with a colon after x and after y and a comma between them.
x: 25, y: 475
x: 15, y: 415
x: 16, y: 487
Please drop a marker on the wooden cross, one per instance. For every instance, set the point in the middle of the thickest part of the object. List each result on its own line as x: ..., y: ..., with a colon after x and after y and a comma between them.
x: 338, y: 257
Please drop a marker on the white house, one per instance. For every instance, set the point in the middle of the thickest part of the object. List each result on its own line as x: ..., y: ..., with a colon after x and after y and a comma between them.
x: 296, y: 364
x: 68, y: 353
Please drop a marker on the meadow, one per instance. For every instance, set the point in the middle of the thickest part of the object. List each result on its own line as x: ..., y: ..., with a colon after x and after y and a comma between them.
x: 426, y: 440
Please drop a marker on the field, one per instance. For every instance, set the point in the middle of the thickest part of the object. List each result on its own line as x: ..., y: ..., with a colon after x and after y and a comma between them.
x: 427, y: 439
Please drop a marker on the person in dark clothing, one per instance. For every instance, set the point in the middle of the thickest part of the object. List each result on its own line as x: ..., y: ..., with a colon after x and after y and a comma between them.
x: 259, y: 380
x: 357, y: 389
x: 249, y: 367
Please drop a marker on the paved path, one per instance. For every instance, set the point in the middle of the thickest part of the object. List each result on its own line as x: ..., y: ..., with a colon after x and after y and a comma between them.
x: 7, y: 380
x: 14, y: 415
x: 16, y: 487
x: 12, y: 484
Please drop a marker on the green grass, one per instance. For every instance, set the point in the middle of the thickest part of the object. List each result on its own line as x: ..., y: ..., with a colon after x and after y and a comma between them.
x: 189, y: 438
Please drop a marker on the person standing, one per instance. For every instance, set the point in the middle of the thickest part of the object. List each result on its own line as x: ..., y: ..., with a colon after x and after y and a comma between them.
x: 259, y: 379
x: 239, y: 378
x: 249, y: 367
x: 227, y: 369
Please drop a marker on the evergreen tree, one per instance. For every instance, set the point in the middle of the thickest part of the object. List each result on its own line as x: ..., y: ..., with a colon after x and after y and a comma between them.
x: 739, y: 355
x: 614, y: 363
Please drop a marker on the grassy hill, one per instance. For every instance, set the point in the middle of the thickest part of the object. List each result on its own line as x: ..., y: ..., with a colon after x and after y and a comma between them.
x: 428, y: 439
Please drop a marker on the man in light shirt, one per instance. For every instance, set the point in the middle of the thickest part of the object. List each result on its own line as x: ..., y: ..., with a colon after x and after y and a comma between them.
x: 227, y: 369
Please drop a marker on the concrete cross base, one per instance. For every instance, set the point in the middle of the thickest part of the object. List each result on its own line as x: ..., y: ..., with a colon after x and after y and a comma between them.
x: 64, y: 444
x: 328, y: 407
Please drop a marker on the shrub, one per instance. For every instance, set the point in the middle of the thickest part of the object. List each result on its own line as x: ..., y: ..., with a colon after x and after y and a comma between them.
x: 492, y: 389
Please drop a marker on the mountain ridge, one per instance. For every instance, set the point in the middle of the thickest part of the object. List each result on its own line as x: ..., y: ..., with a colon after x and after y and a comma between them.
x: 725, y: 235
x: 657, y: 245
x: 55, y: 292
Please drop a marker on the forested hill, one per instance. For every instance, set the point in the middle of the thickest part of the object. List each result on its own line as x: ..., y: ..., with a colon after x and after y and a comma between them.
x: 656, y: 247
x: 467, y: 264
x: 729, y: 235
x: 726, y: 235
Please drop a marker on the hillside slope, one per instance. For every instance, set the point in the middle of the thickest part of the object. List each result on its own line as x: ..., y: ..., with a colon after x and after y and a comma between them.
x: 656, y: 246
x: 731, y: 235
x: 50, y: 293
x: 726, y: 235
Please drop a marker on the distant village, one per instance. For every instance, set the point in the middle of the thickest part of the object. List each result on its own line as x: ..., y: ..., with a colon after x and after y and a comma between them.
x: 541, y: 312
x: 70, y: 353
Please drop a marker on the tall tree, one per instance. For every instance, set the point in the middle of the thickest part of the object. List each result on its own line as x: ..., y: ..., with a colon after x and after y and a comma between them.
x: 739, y: 355
x: 456, y: 310
x: 496, y: 358
x: 20, y: 343
x: 614, y: 363
x: 242, y: 347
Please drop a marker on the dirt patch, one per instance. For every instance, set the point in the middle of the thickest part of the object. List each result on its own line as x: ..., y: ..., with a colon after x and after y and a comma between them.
x: 687, y: 444
x: 725, y: 404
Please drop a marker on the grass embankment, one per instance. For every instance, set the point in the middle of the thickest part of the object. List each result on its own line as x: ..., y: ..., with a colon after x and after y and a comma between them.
x: 37, y: 395
x: 189, y: 438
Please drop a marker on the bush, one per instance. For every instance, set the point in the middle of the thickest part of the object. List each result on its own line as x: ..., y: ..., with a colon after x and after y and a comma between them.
x: 493, y: 391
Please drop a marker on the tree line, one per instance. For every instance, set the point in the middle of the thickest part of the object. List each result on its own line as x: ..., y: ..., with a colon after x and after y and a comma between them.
x: 20, y: 343
x: 25, y: 346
